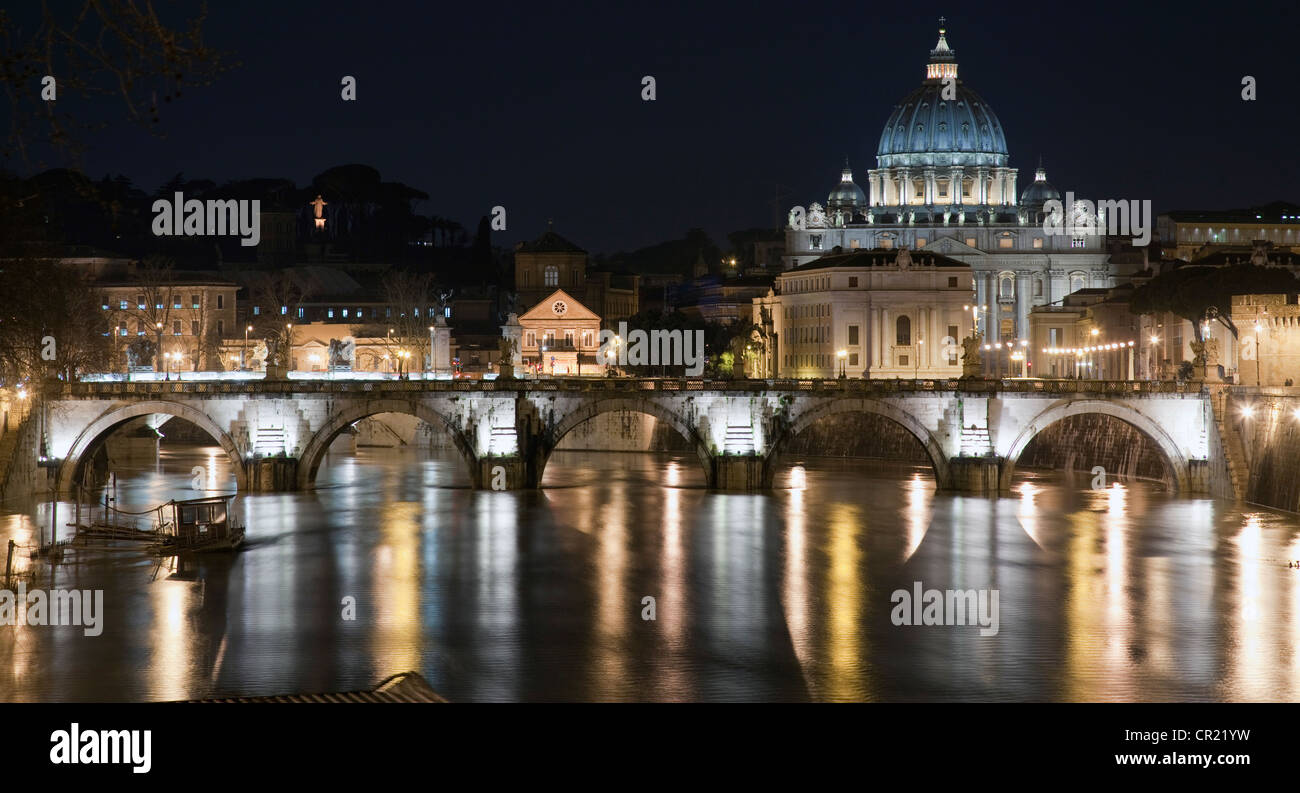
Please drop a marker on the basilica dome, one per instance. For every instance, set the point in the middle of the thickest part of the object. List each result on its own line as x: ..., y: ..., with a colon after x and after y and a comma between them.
x: 929, y: 129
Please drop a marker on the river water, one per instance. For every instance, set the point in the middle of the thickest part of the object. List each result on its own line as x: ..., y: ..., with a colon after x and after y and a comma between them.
x: 1121, y: 594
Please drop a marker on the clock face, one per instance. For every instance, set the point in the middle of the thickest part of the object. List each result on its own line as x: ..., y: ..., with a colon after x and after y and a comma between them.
x: 559, y: 307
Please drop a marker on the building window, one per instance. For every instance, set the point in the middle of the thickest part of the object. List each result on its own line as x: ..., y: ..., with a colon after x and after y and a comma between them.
x: 552, y: 275
x: 815, y: 241
x: 300, y: 313
x: 194, y: 301
x: 970, y: 241
x: 176, y: 303
x: 853, y: 282
x: 1038, y: 242
x: 568, y: 337
x: 329, y: 314
x: 1038, y: 287
x: 139, y: 302
x: 902, y: 360
x: 531, y: 339
x: 257, y: 310
x: 122, y: 305
x: 853, y: 359
x: 1078, y: 242
x: 920, y: 242
x: 194, y: 327
x: 854, y: 244
x: 1076, y: 282
x: 887, y: 243
x: 1006, y: 242
x: 853, y: 335
x: 221, y: 301
x: 221, y: 328
x: 176, y: 327
x: 1006, y: 287
x: 903, y: 331
x: 345, y: 313
x: 952, y: 281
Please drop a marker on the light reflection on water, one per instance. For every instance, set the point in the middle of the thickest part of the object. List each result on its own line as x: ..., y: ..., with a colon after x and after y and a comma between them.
x: 1120, y: 594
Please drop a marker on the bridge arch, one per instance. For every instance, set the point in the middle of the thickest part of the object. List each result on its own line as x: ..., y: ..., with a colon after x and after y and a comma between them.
x: 71, y: 469
x: 806, y: 418
x: 611, y: 404
x: 1174, y: 458
x: 314, y: 452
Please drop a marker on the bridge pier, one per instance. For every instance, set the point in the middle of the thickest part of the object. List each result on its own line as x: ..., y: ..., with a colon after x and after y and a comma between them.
x: 975, y: 474
x: 504, y: 473
x: 739, y: 472
x: 272, y: 474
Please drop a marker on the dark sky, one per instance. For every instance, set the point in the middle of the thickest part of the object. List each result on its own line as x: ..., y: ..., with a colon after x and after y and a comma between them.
x: 538, y: 108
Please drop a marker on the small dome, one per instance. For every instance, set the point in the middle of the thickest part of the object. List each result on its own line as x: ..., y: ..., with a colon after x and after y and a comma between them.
x: 847, y: 194
x: 1040, y: 192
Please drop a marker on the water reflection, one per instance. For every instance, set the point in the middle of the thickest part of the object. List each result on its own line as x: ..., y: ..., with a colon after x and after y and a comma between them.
x: 1122, y: 594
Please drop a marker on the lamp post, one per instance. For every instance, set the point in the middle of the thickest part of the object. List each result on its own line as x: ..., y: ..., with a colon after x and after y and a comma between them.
x: 430, y: 369
x: 1259, y: 351
x: 843, y: 355
x: 920, y: 349
x: 243, y: 361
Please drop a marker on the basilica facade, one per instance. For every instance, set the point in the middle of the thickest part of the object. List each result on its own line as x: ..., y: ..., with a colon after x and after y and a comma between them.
x: 943, y: 184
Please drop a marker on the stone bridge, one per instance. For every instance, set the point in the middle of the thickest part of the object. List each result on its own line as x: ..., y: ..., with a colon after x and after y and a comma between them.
x: 277, y: 432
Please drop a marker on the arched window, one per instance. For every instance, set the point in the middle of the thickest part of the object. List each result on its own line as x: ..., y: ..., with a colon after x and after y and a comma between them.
x: 552, y: 275
x: 1077, y: 282
x: 1006, y: 286
x: 903, y: 328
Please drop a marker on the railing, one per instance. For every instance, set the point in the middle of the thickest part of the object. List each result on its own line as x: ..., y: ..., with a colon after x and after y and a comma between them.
x: 638, y: 384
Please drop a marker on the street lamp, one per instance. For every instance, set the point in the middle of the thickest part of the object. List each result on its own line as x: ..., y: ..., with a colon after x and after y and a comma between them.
x: 843, y: 355
x: 1259, y: 350
x: 243, y: 361
x: 917, y: 367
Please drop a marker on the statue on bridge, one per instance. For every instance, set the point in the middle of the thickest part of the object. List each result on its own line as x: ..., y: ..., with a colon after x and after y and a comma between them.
x: 342, y: 353
x: 972, y: 364
x: 140, y: 353
x: 1205, y: 363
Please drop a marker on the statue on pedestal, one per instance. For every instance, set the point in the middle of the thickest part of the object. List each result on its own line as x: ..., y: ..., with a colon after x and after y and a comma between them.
x: 140, y: 353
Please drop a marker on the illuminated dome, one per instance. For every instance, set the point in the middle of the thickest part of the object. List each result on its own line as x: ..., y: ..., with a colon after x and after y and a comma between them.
x: 846, y: 195
x: 1040, y: 192
x: 926, y: 129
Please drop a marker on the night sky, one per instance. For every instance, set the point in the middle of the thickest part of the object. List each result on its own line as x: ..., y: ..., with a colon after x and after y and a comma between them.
x: 539, y: 109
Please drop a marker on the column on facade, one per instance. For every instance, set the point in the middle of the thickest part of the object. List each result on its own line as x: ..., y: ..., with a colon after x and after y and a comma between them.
x: 982, y: 192
x: 873, y: 192
x: 904, y: 186
x: 885, y: 332
x: 1024, y: 296
x: 1011, y: 182
x: 954, y: 186
x: 930, y: 186
x: 936, y: 338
